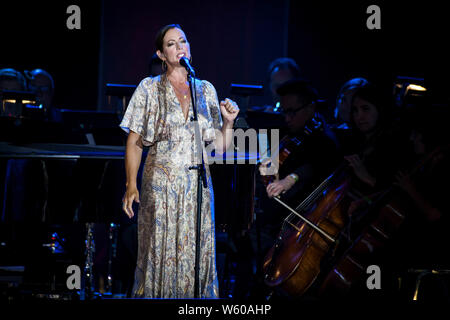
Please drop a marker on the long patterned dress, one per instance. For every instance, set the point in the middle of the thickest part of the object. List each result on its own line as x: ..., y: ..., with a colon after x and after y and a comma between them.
x: 168, y: 204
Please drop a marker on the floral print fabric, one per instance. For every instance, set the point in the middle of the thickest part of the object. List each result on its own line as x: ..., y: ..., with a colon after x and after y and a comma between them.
x: 168, y: 204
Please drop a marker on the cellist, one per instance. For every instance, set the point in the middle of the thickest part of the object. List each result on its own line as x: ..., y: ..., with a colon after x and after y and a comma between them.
x: 315, y: 157
x: 423, y: 242
x: 380, y: 150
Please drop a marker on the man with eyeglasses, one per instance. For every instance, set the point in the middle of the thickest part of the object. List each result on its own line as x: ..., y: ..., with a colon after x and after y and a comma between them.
x: 316, y: 156
x: 307, y: 165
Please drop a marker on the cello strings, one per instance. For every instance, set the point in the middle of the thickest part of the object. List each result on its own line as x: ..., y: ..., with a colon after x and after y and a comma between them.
x: 306, y: 203
x: 310, y: 199
x: 313, y: 197
x: 312, y: 225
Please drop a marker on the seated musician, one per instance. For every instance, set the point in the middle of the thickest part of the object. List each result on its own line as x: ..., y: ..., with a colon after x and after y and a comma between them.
x: 316, y: 156
x: 11, y: 80
x: 340, y: 120
x: 422, y: 243
x: 379, y: 148
x: 41, y: 83
x: 344, y: 101
x: 279, y: 72
x: 305, y: 168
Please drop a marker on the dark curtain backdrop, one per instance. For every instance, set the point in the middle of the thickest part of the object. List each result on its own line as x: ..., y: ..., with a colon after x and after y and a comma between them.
x: 331, y: 43
x: 34, y: 35
x: 231, y: 41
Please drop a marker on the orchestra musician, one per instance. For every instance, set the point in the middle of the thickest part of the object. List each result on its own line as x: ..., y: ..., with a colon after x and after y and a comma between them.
x: 306, y: 166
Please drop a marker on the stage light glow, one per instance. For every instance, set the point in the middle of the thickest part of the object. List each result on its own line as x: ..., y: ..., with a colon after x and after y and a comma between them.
x: 416, y: 87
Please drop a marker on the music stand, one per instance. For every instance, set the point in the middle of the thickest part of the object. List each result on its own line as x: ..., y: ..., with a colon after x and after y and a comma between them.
x: 121, y: 91
x: 19, y: 99
x: 243, y: 92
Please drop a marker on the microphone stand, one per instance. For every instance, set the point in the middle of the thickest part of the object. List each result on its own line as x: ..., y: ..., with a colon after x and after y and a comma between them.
x: 201, y: 182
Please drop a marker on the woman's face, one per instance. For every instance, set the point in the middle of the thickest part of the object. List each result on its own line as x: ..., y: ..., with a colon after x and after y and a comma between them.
x: 175, y: 46
x: 365, y: 115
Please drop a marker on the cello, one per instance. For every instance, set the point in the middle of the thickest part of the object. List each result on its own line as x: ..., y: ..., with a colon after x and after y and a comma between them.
x: 313, y: 225
x: 311, y: 234
x: 301, y: 254
x: 389, y: 212
x: 307, y: 236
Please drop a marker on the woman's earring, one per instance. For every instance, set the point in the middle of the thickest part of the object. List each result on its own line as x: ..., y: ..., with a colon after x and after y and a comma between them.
x: 164, y: 66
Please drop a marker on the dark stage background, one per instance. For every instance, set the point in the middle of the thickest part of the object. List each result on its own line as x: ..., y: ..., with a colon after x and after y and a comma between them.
x: 231, y: 42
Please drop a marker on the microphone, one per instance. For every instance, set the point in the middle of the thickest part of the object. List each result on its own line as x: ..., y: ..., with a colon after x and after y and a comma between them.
x: 185, y: 63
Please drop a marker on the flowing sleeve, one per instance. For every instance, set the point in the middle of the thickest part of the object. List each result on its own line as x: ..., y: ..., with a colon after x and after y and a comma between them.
x: 141, y: 110
x: 212, y: 103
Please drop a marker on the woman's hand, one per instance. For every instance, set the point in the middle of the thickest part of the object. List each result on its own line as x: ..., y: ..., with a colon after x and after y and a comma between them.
x: 132, y: 194
x: 229, y: 110
x: 279, y: 186
x: 360, y: 170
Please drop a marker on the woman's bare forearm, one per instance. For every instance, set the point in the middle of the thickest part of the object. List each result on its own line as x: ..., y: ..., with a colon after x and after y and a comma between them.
x: 133, y: 155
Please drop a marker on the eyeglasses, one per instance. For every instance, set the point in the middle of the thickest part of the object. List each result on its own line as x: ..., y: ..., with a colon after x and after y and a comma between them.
x: 292, y: 113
